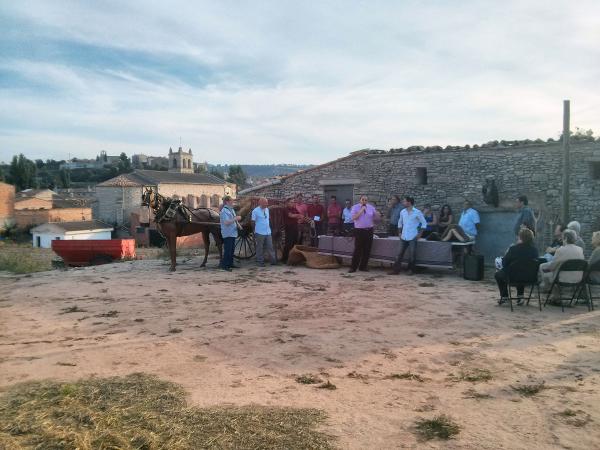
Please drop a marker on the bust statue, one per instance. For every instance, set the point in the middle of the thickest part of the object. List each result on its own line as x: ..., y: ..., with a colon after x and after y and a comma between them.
x: 490, y: 192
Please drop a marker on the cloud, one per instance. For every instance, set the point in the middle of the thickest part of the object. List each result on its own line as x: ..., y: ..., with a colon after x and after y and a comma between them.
x: 268, y: 82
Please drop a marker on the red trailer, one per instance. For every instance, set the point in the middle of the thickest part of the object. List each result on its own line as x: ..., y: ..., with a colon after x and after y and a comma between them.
x: 93, y: 252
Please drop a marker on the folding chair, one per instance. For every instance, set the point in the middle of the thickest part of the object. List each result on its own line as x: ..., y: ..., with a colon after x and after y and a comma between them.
x: 571, y: 265
x: 523, y: 273
x: 587, y: 282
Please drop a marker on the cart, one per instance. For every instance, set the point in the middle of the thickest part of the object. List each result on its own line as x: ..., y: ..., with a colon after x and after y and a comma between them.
x: 245, y: 244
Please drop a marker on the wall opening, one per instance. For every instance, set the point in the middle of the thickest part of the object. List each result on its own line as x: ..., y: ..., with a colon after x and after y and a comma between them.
x: 595, y: 170
x: 421, y: 175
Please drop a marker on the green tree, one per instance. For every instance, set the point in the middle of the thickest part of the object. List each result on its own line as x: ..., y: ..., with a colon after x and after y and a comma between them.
x: 237, y: 176
x: 65, y: 178
x: 217, y: 173
x: 22, y: 172
x: 124, y: 165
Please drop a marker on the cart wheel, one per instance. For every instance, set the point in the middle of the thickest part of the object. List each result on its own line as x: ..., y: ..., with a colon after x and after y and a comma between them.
x: 245, y: 245
x: 101, y: 259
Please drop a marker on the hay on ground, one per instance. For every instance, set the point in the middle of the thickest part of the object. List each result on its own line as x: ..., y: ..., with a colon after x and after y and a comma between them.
x: 140, y: 411
x: 302, y: 254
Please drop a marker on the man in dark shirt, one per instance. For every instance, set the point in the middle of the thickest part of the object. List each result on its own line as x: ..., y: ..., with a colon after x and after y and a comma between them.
x: 315, y: 213
x: 291, y: 227
x: 524, y: 249
x: 525, y: 217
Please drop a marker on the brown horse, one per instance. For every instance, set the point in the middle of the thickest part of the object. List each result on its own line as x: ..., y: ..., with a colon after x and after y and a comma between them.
x: 174, y: 219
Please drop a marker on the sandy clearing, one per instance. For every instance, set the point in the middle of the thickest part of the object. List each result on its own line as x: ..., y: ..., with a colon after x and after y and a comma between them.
x: 243, y: 337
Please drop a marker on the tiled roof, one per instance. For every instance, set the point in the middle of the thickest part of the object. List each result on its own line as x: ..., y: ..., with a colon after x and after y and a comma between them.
x: 87, y: 225
x: 153, y: 177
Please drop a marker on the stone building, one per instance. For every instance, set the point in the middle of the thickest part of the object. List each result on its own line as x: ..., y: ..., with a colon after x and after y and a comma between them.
x: 439, y: 175
x: 7, y: 204
x: 37, y: 206
x: 121, y: 196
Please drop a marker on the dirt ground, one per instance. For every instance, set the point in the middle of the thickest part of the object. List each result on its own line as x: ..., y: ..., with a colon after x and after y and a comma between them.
x: 243, y: 338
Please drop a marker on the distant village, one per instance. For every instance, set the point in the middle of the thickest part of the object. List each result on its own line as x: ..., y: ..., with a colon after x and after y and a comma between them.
x: 95, y: 198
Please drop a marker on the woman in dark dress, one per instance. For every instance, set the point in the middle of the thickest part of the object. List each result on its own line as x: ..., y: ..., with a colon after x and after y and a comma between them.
x: 524, y: 249
x: 445, y: 218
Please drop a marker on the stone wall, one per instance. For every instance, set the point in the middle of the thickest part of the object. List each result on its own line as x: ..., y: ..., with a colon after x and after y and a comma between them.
x: 27, y: 217
x: 456, y: 173
x: 115, y: 204
x: 7, y: 203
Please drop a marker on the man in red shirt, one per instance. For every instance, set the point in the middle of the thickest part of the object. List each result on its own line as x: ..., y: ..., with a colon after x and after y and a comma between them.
x: 315, y: 213
x: 334, y: 217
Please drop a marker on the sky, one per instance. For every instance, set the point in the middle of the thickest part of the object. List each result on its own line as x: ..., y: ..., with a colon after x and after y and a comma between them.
x: 266, y: 82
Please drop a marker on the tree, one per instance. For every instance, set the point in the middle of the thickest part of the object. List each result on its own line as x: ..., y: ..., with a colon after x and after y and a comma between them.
x: 124, y: 163
x: 65, y: 178
x: 217, y: 173
x: 22, y: 172
x: 237, y: 176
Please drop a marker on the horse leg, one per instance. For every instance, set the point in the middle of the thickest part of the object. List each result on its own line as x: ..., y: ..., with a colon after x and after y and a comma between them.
x: 172, y: 243
x: 206, y: 239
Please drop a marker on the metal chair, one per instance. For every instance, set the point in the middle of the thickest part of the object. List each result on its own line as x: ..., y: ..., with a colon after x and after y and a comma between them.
x: 571, y: 265
x: 523, y: 273
x: 588, y: 282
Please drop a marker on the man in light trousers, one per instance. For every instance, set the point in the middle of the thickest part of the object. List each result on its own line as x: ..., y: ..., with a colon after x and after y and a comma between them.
x: 262, y: 233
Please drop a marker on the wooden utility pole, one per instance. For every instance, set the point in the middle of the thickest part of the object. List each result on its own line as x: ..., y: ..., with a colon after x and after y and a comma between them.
x: 566, y: 136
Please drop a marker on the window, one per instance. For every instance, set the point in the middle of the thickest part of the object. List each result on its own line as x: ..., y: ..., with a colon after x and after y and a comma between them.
x: 58, y: 238
x: 38, y: 241
x: 174, y: 163
x: 421, y: 175
x: 595, y: 170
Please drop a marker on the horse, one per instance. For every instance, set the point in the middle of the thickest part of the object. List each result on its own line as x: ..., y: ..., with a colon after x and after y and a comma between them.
x: 174, y: 219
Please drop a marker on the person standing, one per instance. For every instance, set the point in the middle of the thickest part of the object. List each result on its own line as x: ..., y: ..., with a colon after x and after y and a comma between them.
x: 291, y: 227
x: 394, y: 215
x: 410, y: 225
x: 348, y: 224
x: 262, y: 233
x: 315, y: 213
x: 334, y: 217
x: 229, y: 231
x: 364, y: 216
x: 525, y: 217
x: 303, y: 222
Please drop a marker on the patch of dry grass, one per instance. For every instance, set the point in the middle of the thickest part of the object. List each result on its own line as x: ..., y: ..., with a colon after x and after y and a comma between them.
x: 440, y: 427
x: 143, y: 412
x: 472, y: 375
x: 529, y: 390
x: 22, y: 261
x: 406, y: 376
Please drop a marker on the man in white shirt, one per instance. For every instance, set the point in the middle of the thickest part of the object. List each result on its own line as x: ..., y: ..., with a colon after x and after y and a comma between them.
x: 467, y: 227
x: 347, y: 217
x: 262, y: 233
x: 410, y: 226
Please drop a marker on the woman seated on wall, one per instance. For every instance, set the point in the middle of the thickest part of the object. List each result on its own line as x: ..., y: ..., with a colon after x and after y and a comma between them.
x: 445, y: 219
x: 432, y: 221
x: 524, y: 249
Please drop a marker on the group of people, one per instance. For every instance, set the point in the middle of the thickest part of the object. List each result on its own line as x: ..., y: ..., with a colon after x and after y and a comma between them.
x: 566, y: 245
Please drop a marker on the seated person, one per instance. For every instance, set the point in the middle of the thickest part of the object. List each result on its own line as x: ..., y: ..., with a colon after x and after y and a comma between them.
x: 568, y: 251
x: 595, y: 276
x: 524, y: 249
x: 467, y: 228
x: 445, y: 218
x: 556, y: 242
x: 576, y: 227
x: 431, y: 219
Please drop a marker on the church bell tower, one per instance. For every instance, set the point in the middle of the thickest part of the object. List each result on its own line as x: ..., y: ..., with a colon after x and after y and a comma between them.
x: 181, y: 161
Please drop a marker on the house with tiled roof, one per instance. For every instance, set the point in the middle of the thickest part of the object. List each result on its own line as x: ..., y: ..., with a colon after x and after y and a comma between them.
x: 37, y: 206
x: 121, y: 196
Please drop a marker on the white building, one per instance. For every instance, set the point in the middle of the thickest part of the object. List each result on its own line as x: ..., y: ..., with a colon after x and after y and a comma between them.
x: 43, y: 235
